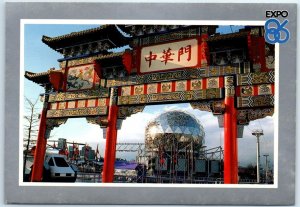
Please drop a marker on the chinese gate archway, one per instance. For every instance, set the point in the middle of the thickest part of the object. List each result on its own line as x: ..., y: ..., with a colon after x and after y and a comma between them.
x: 230, y: 75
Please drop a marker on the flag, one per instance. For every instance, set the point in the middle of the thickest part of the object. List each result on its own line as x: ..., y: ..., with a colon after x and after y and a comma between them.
x: 162, y: 155
x: 76, y: 152
x: 97, y: 153
x: 73, y: 148
x: 66, y: 152
x: 175, y: 154
x: 86, y: 152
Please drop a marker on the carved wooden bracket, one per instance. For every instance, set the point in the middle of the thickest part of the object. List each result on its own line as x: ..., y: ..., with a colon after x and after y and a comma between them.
x: 99, y: 120
x: 247, y: 115
x: 202, y: 106
x: 216, y: 107
x: 127, y: 111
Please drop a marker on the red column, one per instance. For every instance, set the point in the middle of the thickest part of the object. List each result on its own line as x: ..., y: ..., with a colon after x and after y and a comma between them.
x: 230, y: 134
x: 39, y: 155
x: 235, y: 146
x: 111, y: 140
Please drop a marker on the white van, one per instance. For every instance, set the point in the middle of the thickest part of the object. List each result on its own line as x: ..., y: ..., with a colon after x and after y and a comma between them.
x: 56, y: 169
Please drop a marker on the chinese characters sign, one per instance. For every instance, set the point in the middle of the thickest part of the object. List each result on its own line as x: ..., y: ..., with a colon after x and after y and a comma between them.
x: 181, y: 54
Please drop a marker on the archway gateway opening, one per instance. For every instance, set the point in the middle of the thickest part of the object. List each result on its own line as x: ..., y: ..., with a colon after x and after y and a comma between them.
x: 230, y: 75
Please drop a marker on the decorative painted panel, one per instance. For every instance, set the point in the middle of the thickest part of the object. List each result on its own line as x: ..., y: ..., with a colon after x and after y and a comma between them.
x: 166, y: 87
x: 126, y: 91
x: 95, y: 111
x: 86, y: 94
x: 71, y: 104
x: 81, y: 103
x: 196, y: 84
x: 138, y: 90
x: 62, y: 105
x: 247, y: 91
x: 152, y: 88
x: 53, y: 105
x: 174, y: 86
x: 102, y: 102
x: 255, y: 90
x: 214, y: 93
x: 80, y: 77
x: 212, y: 83
x: 255, y: 101
x: 181, y: 86
x: 256, y: 78
x: 91, y: 103
x: 190, y: 73
x: 265, y: 89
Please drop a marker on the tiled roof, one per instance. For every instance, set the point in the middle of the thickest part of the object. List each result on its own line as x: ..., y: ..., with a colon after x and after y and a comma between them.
x: 40, y: 78
x: 47, y: 39
x: 104, y: 32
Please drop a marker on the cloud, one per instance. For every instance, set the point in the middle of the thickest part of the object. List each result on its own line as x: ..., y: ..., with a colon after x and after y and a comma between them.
x: 133, y: 128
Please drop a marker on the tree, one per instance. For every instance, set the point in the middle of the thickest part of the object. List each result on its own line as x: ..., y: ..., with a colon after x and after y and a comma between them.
x: 31, y: 124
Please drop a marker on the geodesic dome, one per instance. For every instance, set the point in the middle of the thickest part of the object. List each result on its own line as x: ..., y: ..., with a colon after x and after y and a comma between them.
x: 173, y: 126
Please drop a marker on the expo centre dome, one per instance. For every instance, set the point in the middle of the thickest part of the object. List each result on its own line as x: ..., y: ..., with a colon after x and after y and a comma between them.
x: 170, y: 126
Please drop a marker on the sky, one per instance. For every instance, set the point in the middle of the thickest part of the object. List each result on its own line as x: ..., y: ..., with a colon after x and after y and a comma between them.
x: 38, y: 57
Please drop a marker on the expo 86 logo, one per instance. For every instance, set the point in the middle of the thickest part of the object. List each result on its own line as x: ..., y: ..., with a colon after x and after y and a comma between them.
x: 275, y: 32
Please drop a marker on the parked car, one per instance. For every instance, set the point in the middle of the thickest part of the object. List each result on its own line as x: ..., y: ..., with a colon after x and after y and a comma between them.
x: 56, y: 169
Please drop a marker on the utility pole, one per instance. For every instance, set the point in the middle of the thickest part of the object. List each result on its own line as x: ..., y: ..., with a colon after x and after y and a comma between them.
x: 266, y: 156
x: 258, y: 133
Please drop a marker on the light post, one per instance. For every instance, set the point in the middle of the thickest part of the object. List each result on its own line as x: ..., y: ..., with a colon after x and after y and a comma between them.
x: 266, y: 156
x: 258, y: 133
